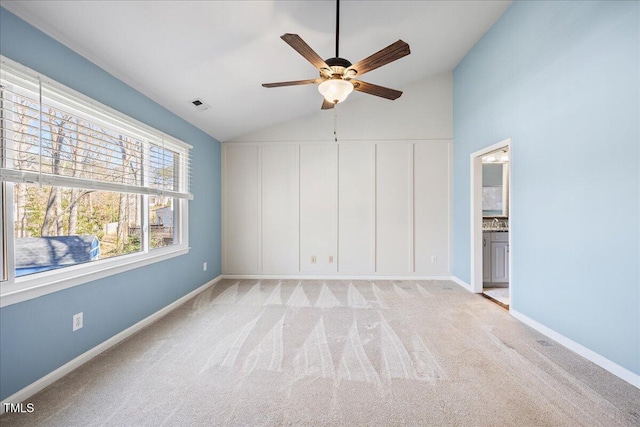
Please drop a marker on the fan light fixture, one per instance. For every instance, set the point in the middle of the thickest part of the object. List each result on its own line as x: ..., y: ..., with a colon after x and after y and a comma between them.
x: 337, y: 75
x: 335, y: 90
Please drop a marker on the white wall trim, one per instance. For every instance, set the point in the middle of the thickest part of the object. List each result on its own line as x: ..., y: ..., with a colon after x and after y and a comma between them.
x: 260, y: 210
x: 325, y: 141
x: 50, y: 378
x: 617, y: 370
x: 374, y: 209
x: 324, y: 276
x: 223, y: 210
x: 47, y: 282
x: 476, y: 211
x: 374, y: 242
x: 412, y: 206
x: 298, y: 177
x: 450, y: 213
x: 462, y: 283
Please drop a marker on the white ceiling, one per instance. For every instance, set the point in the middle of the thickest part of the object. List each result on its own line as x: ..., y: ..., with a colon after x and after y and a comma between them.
x: 221, y: 51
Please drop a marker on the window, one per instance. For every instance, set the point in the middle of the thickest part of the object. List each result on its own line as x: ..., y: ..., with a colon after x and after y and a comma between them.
x: 85, y: 190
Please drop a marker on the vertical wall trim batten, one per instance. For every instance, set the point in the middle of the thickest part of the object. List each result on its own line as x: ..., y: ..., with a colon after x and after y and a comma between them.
x: 223, y: 196
x: 336, y: 258
x: 450, y: 207
x: 372, y: 160
x: 374, y: 170
x: 298, y: 148
x: 260, y: 219
x: 297, y: 173
x: 412, y: 214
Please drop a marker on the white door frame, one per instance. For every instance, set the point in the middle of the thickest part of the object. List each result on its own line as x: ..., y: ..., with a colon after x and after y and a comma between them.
x: 476, y: 212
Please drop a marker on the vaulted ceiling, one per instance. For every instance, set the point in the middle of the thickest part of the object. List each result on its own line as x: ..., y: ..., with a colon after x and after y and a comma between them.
x: 221, y: 51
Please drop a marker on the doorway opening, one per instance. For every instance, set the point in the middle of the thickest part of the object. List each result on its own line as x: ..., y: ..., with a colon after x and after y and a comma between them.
x: 491, y: 222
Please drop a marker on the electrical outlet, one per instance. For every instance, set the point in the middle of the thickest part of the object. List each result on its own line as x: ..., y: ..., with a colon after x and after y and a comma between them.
x: 434, y: 259
x: 204, y: 266
x: 331, y: 259
x: 77, y: 321
x: 314, y: 260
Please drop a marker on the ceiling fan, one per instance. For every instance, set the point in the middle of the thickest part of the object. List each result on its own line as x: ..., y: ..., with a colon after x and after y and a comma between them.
x: 337, y: 75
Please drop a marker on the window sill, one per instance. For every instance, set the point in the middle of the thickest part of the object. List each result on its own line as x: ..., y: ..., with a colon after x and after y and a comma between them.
x: 37, y: 285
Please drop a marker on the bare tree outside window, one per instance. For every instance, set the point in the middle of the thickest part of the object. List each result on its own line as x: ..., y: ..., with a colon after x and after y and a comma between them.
x: 76, y: 148
x: 84, y: 182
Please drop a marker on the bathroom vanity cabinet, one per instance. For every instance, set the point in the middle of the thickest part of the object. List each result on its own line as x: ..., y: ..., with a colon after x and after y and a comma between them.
x: 495, y: 256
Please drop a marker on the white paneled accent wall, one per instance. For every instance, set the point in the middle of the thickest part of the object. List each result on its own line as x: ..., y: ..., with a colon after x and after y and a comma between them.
x: 394, y: 202
x: 318, y: 208
x: 431, y: 185
x: 356, y: 213
x: 280, y: 207
x: 351, y: 209
x: 241, y: 209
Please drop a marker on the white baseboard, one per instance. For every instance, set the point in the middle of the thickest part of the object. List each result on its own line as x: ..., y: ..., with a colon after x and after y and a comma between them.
x: 33, y: 388
x: 329, y: 277
x: 462, y: 283
x: 617, y: 370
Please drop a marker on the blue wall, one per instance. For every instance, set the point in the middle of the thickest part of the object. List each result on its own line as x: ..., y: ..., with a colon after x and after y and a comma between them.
x: 35, y: 336
x: 562, y: 80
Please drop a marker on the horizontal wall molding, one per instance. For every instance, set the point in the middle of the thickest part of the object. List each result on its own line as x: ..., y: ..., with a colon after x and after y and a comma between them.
x: 617, y: 370
x: 332, y: 277
x: 339, y: 142
x: 42, y: 383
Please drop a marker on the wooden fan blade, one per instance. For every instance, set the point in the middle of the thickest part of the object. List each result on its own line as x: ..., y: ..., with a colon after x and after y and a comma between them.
x: 292, y: 83
x: 371, y: 89
x: 296, y: 42
x: 389, y: 54
x: 326, y: 105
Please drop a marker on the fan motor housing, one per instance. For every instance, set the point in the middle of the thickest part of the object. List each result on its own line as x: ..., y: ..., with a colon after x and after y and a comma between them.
x: 337, y: 69
x: 338, y: 62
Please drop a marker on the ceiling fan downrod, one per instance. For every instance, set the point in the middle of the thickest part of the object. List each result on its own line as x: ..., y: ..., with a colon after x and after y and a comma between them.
x: 337, y: 61
x: 337, y: 28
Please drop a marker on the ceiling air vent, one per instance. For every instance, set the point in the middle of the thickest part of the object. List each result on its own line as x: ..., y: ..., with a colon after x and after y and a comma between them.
x: 200, y: 104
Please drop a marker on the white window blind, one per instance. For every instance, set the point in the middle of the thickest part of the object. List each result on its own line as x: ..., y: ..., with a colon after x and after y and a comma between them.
x: 54, y: 136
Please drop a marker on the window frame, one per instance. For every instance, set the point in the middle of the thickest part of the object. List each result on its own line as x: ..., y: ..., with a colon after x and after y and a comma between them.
x: 18, y: 289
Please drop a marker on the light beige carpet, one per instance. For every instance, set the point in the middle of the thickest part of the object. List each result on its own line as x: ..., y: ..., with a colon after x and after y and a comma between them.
x: 261, y: 353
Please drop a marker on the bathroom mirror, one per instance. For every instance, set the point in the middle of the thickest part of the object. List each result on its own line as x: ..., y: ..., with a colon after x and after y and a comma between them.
x: 495, y: 189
